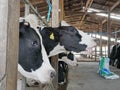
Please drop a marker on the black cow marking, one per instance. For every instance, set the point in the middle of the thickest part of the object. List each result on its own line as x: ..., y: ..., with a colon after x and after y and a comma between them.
x: 115, y: 56
x: 49, y: 43
x: 30, y: 57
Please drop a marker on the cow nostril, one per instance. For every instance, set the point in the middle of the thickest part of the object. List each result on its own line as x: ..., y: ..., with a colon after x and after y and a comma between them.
x: 52, y: 74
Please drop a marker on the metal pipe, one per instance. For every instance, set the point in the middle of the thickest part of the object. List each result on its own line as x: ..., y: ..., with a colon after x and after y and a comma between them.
x: 116, y: 32
x: 108, y: 32
x: 35, y: 11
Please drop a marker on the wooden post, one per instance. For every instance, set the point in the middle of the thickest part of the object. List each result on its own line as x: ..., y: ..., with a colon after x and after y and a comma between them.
x: 101, y: 40
x: 55, y: 23
x: 27, y: 9
x: 9, y: 28
x: 95, y: 50
x: 61, y: 10
x: 108, y: 32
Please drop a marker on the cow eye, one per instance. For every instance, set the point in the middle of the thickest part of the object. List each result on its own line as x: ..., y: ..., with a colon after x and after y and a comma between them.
x: 34, y: 43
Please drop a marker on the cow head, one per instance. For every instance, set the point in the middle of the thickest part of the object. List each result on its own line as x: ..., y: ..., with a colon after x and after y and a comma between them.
x: 65, y: 38
x: 70, y: 39
x: 33, y: 59
x: 80, y: 42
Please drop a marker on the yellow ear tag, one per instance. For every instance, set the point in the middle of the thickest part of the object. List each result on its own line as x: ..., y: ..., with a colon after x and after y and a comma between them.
x: 52, y: 36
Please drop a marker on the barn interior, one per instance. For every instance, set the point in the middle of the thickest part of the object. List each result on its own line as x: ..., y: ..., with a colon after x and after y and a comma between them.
x: 98, y: 18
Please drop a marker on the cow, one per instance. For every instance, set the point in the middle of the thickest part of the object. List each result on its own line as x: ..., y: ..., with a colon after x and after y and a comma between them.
x: 115, y: 56
x: 33, y: 60
x: 64, y: 38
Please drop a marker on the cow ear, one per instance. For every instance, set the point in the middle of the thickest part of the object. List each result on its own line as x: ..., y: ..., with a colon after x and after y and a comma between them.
x: 27, y: 24
x: 23, y: 27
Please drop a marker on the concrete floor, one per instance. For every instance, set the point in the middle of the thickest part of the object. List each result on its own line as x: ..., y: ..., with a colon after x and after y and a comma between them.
x: 85, y: 77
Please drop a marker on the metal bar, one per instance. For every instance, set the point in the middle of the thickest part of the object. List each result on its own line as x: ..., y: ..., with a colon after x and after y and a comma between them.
x: 35, y: 11
x: 23, y: 86
x: 55, y: 23
x: 101, y: 40
x: 116, y: 32
x: 27, y: 9
x: 108, y: 32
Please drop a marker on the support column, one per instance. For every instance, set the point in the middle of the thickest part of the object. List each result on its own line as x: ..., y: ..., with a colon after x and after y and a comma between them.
x: 101, y: 40
x: 55, y: 23
x: 9, y: 38
x: 108, y: 31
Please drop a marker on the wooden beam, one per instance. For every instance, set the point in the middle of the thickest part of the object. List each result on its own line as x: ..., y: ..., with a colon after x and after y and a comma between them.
x: 55, y: 13
x: 55, y: 23
x: 34, y: 2
x: 9, y: 38
x: 88, y: 4
x: 61, y: 4
x: 111, y: 9
x: 101, y: 42
x: 115, y: 5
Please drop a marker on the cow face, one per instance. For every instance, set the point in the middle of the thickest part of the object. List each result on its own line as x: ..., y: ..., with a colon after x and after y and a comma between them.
x: 33, y: 60
x: 70, y: 39
x: 85, y: 42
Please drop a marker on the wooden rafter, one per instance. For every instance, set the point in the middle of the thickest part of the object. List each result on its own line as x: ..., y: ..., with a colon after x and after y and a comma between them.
x: 111, y: 9
x: 88, y: 4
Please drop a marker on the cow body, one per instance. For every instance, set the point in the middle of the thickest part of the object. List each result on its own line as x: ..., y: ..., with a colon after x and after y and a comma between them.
x: 33, y: 60
x: 115, y: 56
x: 65, y: 38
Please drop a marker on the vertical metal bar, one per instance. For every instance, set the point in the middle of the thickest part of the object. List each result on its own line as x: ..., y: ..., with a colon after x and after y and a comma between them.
x: 108, y: 31
x: 101, y: 40
x: 27, y: 9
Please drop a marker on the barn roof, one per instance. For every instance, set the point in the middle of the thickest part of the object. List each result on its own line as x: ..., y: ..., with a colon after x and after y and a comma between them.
x: 87, y: 15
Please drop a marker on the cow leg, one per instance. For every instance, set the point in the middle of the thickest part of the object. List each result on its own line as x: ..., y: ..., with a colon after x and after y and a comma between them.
x: 118, y: 63
x: 112, y: 62
x: 62, y: 70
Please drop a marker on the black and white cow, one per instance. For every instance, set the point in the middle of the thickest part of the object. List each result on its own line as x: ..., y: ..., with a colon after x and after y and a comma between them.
x: 65, y: 38
x: 115, y: 56
x: 33, y: 59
